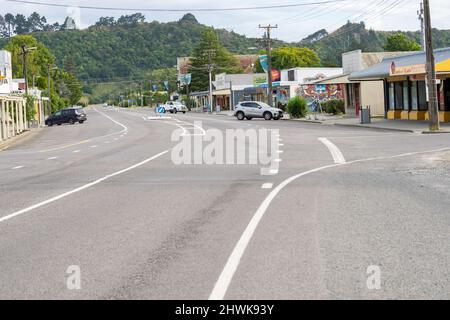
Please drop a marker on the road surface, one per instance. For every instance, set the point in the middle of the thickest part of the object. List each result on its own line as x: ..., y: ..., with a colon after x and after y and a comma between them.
x: 106, y: 197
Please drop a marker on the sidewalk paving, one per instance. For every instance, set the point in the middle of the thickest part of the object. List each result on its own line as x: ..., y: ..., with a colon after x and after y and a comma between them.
x: 382, y: 124
x: 420, y: 127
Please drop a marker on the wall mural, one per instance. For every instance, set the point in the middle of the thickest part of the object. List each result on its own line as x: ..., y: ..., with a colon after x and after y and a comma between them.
x: 321, y: 92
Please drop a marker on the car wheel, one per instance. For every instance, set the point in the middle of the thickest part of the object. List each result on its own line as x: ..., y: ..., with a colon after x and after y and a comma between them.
x: 81, y: 122
x: 240, y: 116
x: 59, y: 124
x: 184, y: 112
x: 50, y: 124
x: 249, y: 118
x: 267, y: 116
x: 276, y: 119
x: 175, y: 111
x: 71, y: 121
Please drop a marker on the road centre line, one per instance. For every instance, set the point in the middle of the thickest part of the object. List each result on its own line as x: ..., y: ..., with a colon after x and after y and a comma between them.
x: 335, y: 152
x: 232, y: 264
x: 18, y: 167
x: 84, y: 187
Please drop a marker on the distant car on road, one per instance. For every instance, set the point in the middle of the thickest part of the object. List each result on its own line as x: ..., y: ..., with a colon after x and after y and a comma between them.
x: 71, y: 115
x: 174, y: 107
x: 255, y: 109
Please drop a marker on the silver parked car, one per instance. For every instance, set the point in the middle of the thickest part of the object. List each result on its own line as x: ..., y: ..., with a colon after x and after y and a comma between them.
x: 255, y: 109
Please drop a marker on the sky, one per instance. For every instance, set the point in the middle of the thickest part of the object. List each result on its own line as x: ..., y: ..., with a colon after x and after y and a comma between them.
x: 294, y: 23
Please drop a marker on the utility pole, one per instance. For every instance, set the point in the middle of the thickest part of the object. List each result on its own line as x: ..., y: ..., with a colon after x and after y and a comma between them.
x: 24, y: 54
x: 433, y: 106
x: 210, y: 68
x: 420, y: 13
x: 268, y: 40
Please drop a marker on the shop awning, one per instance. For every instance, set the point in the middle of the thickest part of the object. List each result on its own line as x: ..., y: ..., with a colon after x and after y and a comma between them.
x: 225, y: 92
x: 405, y: 65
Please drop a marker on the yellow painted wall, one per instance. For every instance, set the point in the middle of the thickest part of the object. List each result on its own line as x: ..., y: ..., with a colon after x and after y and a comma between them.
x: 372, y: 94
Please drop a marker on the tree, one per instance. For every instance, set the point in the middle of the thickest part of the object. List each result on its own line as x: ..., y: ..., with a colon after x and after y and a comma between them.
x: 105, y: 22
x: 36, y: 22
x: 37, y: 60
x: 400, y: 42
x: 10, y: 21
x: 289, y: 57
x: 22, y: 26
x: 130, y: 20
x: 221, y: 58
x: 3, y: 27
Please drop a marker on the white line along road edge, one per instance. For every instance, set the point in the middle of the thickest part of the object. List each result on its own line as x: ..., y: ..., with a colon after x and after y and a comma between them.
x: 232, y: 264
x: 335, y: 152
x: 86, y: 186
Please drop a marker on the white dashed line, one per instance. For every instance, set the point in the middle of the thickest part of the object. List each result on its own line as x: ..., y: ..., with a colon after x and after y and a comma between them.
x: 18, y: 167
x: 84, y: 187
x: 52, y: 158
x: 267, y: 186
x: 93, y: 147
x: 76, y: 151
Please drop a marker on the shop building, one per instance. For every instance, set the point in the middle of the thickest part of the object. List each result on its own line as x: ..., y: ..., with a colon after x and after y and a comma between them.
x: 404, y: 85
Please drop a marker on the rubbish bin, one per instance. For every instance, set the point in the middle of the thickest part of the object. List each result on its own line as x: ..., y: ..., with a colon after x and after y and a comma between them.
x: 365, y: 115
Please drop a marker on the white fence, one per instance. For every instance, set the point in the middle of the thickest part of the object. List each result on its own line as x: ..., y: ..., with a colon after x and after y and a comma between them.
x: 13, y: 117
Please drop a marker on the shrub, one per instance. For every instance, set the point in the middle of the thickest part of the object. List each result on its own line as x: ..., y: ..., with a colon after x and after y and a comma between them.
x: 334, y: 106
x: 297, y: 107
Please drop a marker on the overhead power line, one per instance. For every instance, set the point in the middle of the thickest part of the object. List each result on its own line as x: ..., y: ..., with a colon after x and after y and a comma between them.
x: 280, y: 6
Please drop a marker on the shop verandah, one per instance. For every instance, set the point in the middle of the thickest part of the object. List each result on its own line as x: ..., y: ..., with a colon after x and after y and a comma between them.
x: 405, y: 86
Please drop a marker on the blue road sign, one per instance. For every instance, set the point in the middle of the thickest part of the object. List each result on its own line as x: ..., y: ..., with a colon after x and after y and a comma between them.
x: 160, y: 110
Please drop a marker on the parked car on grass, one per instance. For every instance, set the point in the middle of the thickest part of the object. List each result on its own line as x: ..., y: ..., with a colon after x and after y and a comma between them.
x: 255, y: 109
x: 71, y: 115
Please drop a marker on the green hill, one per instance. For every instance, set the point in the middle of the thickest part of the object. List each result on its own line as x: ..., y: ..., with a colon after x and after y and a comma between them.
x: 355, y: 36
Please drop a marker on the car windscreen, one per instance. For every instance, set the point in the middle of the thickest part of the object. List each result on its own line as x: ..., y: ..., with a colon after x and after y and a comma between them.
x: 80, y: 111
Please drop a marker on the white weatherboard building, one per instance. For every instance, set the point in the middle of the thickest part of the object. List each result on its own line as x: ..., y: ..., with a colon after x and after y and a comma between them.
x: 5, y: 72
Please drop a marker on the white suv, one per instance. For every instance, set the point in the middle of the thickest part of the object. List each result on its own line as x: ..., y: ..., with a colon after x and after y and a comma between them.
x: 175, y: 107
x: 255, y: 109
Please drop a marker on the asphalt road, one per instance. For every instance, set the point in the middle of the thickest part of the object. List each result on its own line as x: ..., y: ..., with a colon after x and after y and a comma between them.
x: 107, y: 197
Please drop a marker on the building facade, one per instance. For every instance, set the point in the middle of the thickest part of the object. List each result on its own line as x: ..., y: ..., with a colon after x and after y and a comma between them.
x: 405, y: 87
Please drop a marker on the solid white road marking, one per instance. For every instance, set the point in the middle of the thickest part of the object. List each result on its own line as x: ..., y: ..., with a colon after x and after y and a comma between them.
x: 267, y: 186
x: 93, y: 147
x: 52, y: 158
x: 225, y: 278
x: 278, y: 160
x: 18, y: 167
x: 84, y: 187
x: 76, y: 151
x: 335, y: 152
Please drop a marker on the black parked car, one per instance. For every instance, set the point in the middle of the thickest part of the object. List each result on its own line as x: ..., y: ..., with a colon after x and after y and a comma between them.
x: 71, y: 116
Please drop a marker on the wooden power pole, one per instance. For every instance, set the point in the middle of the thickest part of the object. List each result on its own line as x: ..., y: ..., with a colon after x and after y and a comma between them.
x: 433, y: 105
x: 268, y: 41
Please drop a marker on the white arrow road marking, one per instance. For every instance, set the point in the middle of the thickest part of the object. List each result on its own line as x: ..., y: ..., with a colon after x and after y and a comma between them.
x: 335, y: 152
x: 84, y: 187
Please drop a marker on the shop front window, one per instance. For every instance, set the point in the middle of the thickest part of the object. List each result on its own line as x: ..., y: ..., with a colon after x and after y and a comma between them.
x: 391, y: 96
x: 406, y: 95
x: 399, y: 96
x: 414, y: 98
x: 447, y: 94
x: 422, y: 96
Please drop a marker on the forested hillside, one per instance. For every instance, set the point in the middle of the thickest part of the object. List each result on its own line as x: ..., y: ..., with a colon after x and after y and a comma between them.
x: 354, y: 36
